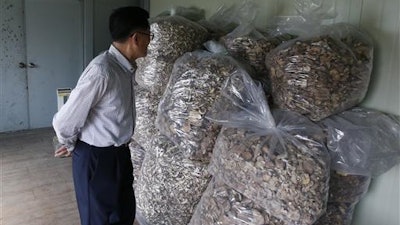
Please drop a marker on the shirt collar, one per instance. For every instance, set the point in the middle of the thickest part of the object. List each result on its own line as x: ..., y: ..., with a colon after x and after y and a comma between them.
x: 121, y: 59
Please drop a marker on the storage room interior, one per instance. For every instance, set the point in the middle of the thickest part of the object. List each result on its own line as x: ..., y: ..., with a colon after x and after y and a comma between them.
x: 20, y: 65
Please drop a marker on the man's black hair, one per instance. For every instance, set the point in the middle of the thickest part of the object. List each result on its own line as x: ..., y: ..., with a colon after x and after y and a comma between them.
x: 125, y: 20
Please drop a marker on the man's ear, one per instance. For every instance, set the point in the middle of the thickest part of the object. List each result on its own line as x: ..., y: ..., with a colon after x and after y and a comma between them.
x: 134, y: 38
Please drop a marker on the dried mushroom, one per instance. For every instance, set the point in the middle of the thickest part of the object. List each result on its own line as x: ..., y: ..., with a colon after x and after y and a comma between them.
x: 287, y: 175
x: 337, y: 214
x: 223, y: 205
x: 195, y: 83
x: 318, y: 77
x: 345, y: 191
x: 277, y: 158
x: 146, y: 113
x: 347, y: 188
x: 173, y: 36
x: 250, y: 46
x: 251, y: 50
x: 357, y: 40
x: 153, y: 73
x: 170, y: 185
x: 137, y: 157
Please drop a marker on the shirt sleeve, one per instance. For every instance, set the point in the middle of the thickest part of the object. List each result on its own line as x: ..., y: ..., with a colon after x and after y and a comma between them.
x: 70, y: 119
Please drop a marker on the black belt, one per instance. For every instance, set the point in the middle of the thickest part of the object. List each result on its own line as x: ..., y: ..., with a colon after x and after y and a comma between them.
x: 125, y: 145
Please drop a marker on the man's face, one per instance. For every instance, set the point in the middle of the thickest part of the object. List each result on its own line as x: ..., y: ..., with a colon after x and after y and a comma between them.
x: 144, y: 38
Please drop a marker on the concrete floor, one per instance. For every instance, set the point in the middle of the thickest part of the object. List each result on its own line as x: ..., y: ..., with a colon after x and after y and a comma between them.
x: 35, y: 187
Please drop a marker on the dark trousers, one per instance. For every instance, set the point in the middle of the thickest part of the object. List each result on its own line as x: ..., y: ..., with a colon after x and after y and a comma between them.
x: 103, y: 180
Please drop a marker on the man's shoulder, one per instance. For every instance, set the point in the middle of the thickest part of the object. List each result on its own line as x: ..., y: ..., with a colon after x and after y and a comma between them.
x: 98, y: 68
x: 103, y: 59
x: 101, y: 64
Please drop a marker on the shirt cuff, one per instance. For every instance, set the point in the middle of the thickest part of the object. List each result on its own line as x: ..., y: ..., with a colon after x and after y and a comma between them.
x: 69, y: 144
x: 70, y: 148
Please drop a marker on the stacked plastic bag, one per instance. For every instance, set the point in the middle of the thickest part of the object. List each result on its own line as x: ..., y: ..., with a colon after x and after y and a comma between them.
x: 250, y: 46
x: 194, y: 86
x: 211, y: 151
x: 170, y: 185
x: 277, y: 161
x: 171, y: 182
x: 174, y: 172
x: 174, y: 35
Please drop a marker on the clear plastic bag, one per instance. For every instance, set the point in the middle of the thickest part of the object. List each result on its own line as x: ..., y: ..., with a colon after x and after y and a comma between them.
x: 325, y: 70
x: 223, y: 205
x: 345, y: 191
x: 250, y: 46
x: 319, y: 76
x: 194, y: 85
x: 146, y: 104
x: 221, y: 22
x: 137, y: 157
x: 170, y: 185
x: 337, y: 213
x: 316, y: 9
x: 246, y: 43
x: 153, y: 73
x: 363, y: 144
x: 311, y: 14
x: 227, y: 18
x: 191, y: 13
x: 173, y: 36
x: 277, y: 159
x: 363, y: 141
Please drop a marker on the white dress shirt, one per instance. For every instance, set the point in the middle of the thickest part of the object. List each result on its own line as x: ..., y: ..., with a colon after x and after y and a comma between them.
x: 100, y: 110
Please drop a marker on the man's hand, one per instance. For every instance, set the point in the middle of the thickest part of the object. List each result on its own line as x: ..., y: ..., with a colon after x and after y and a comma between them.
x: 62, y: 152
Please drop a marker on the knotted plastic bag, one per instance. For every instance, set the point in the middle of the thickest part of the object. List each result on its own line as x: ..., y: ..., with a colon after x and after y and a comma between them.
x: 325, y: 70
x: 276, y: 159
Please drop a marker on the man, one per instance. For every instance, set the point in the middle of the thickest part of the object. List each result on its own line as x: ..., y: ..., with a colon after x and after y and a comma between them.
x: 97, y: 122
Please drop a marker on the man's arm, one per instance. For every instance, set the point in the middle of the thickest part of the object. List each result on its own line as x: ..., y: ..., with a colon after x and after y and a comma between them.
x: 69, y: 121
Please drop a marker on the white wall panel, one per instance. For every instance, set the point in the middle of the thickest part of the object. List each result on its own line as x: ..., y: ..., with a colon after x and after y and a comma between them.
x: 381, y: 205
x: 381, y: 19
